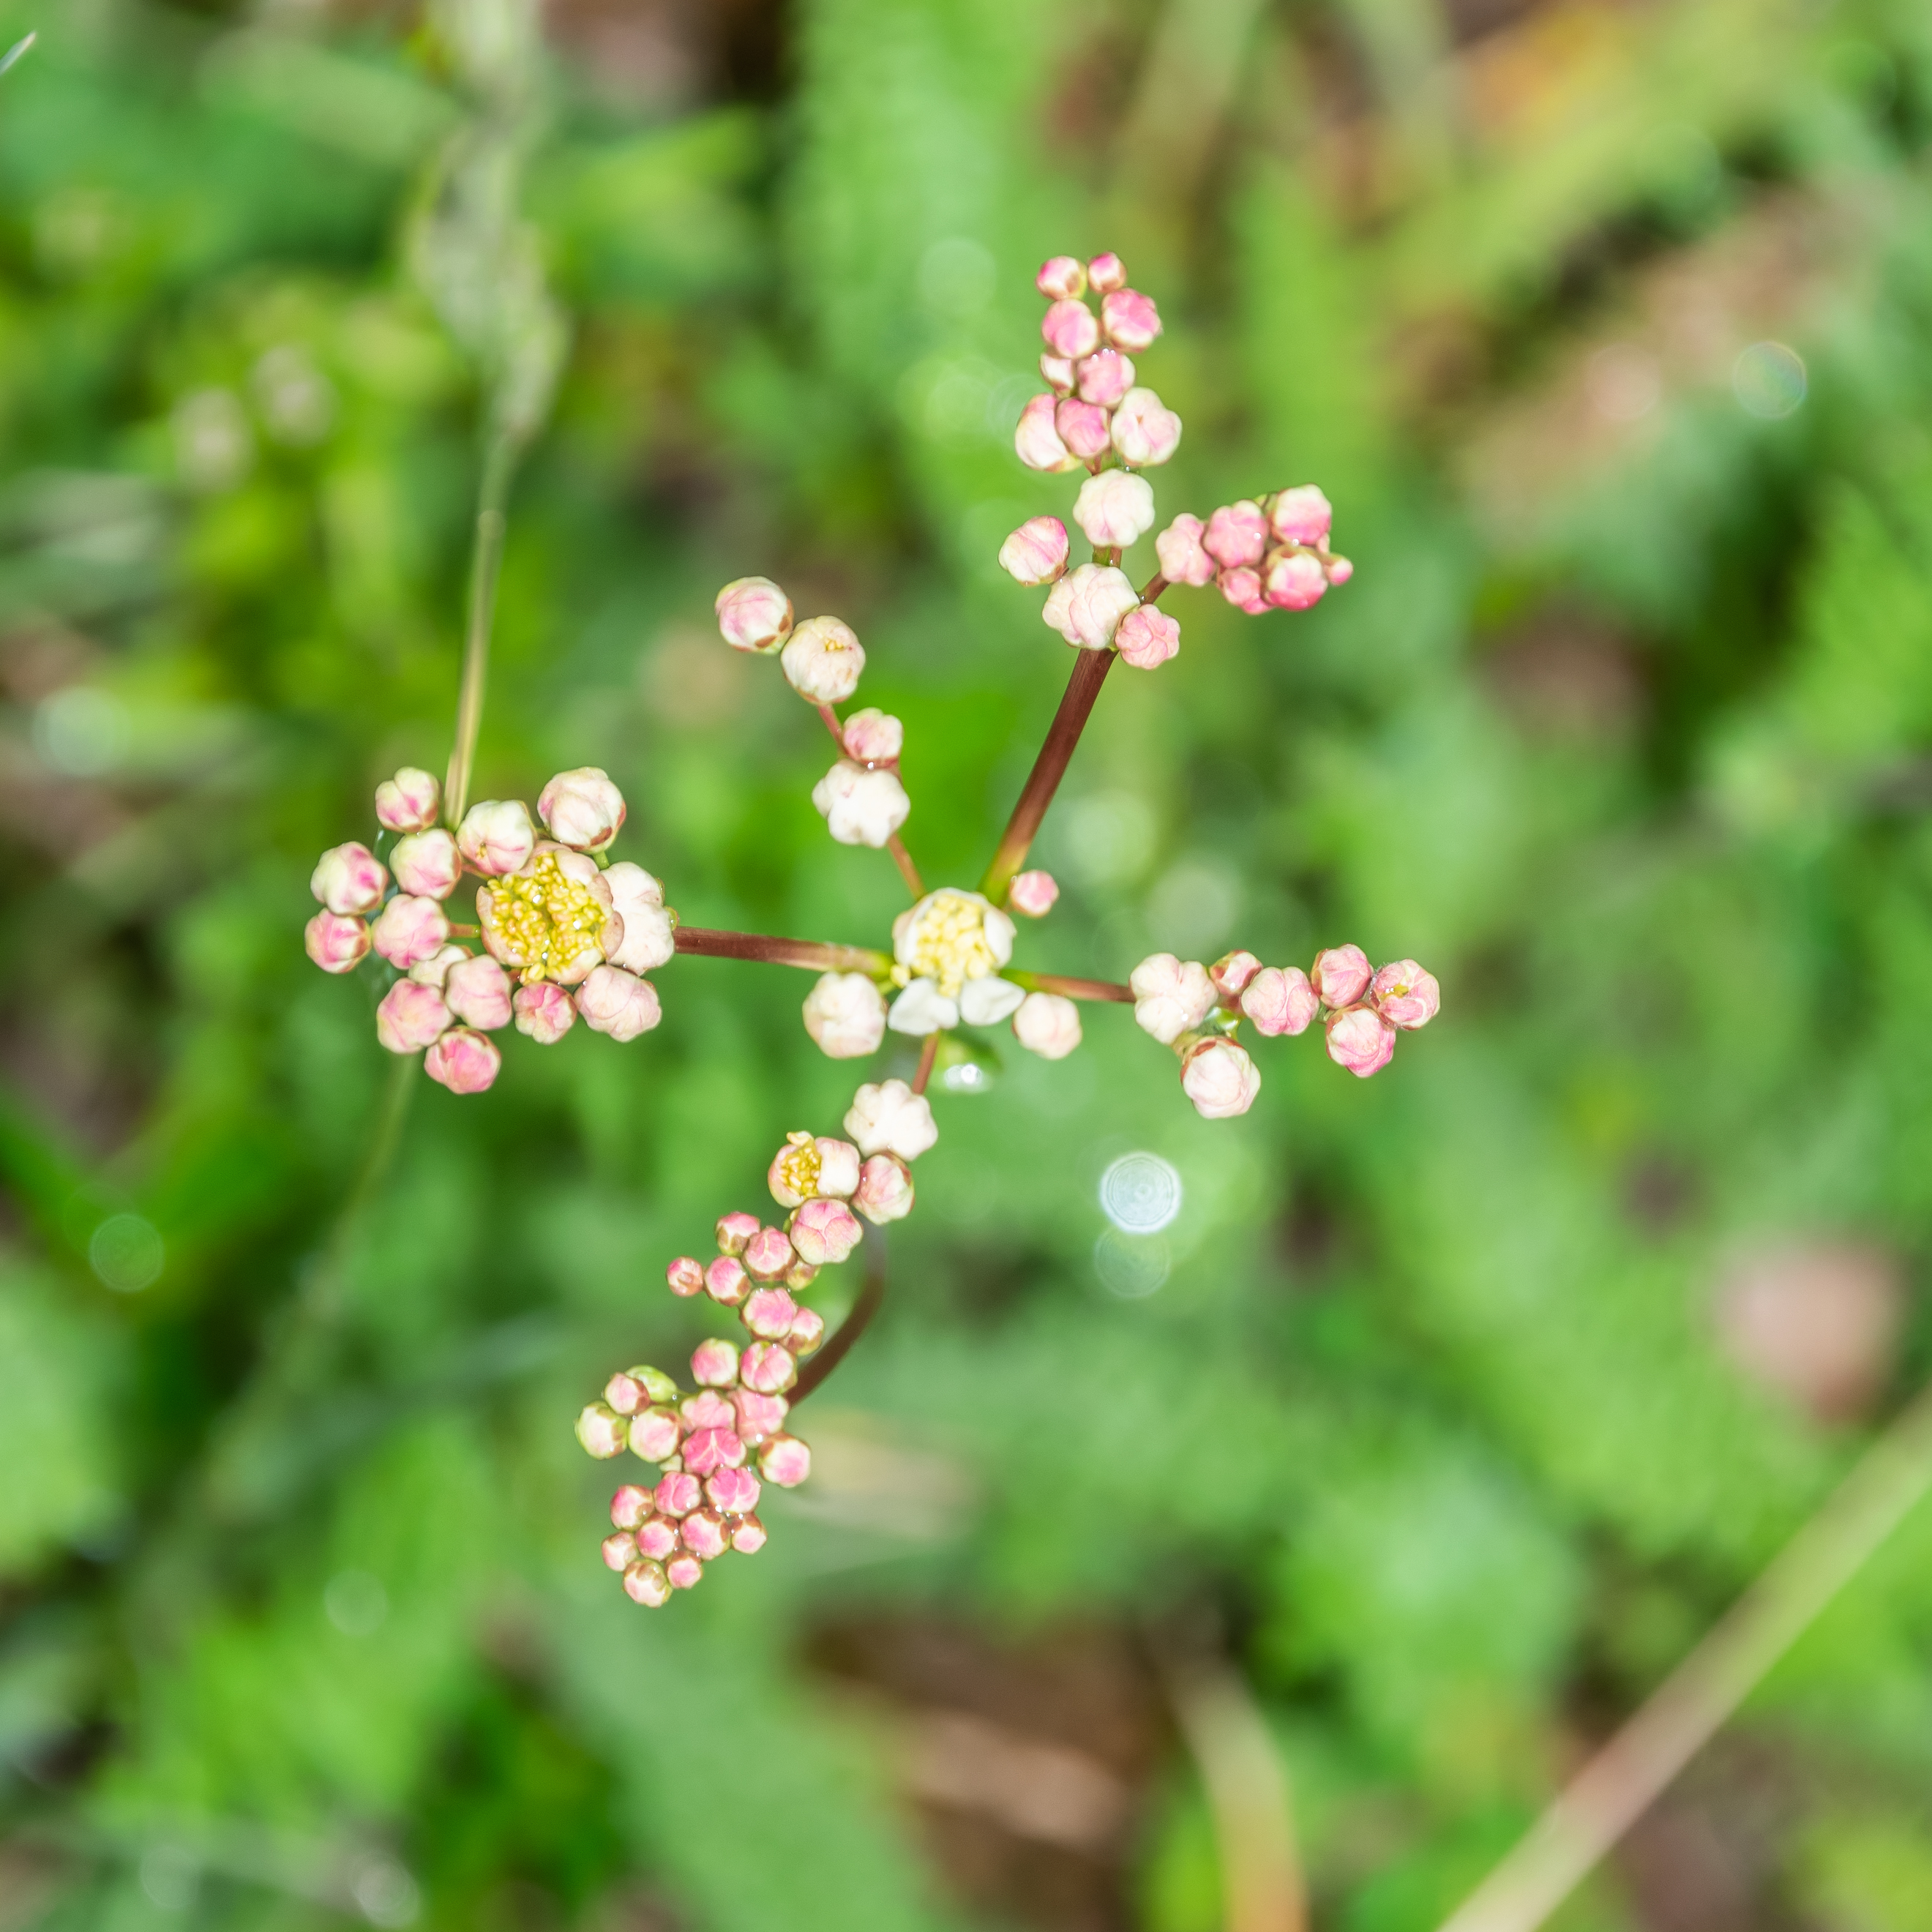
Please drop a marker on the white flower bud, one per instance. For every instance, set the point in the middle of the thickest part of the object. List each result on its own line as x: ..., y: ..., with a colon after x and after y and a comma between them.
x: 649, y: 938
x: 822, y: 660
x: 619, y: 1003
x: 1048, y: 1024
x: 497, y: 836
x: 874, y: 738
x: 1086, y: 606
x: 1170, y: 997
x: 1114, y: 508
x: 888, y: 1118
x: 582, y: 808
x: 845, y: 1014
x: 861, y: 805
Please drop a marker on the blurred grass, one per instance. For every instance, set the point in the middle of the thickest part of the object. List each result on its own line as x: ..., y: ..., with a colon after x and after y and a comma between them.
x: 1443, y: 1411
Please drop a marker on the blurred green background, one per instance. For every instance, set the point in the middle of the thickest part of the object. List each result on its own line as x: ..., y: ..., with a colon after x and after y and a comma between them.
x: 1454, y: 1406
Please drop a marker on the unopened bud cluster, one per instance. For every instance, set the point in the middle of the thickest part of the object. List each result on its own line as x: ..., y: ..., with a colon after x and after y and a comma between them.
x: 1197, y: 1010
x: 713, y: 1448
x: 1268, y: 554
x: 565, y: 935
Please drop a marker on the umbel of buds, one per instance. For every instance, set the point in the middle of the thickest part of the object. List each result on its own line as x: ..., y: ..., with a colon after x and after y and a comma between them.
x: 714, y: 1450
x: 564, y: 936
x: 1197, y: 1010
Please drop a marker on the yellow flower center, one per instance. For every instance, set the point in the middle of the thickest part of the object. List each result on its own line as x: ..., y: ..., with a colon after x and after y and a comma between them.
x: 947, y: 941
x: 544, y: 920
x: 798, y: 1166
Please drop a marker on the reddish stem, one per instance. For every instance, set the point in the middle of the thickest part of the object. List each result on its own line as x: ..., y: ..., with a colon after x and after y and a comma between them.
x: 927, y: 1054
x: 1090, y: 672
x: 815, y: 955
x: 1074, y: 989
x: 854, y: 1325
x: 895, y: 845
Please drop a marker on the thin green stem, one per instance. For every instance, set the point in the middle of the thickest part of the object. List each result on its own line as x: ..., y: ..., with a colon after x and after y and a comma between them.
x: 499, y: 464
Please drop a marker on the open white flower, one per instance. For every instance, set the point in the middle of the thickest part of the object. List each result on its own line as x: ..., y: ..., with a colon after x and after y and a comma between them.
x: 861, y: 805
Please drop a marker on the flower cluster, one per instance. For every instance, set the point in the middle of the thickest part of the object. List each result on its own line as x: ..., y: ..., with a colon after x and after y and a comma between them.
x: 1196, y: 1009
x: 1267, y: 554
x: 551, y: 915
x: 705, y: 1500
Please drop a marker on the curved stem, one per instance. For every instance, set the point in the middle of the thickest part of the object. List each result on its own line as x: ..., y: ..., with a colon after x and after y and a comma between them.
x: 855, y: 1324
x: 1073, y: 989
x: 1090, y: 673
x: 927, y: 1054
x: 814, y: 956
x: 499, y: 463
x: 895, y: 845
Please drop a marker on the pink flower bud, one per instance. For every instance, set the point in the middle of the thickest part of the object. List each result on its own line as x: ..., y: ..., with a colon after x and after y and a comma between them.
x: 655, y: 1382
x: 1302, y: 515
x: 1083, y: 428
x: 1086, y: 606
x: 655, y: 1435
x: 1034, y: 893
x: 754, y: 614
x: 1361, y: 1040
x: 703, y: 1534
x: 1104, y: 377
x: 861, y: 805
x: 873, y: 738
x: 807, y: 1331
x: 408, y: 802
x: 707, y: 1409
x: 582, y: 808
x: 463, y: 1061
x: 336, y: 943
x: 1339, y: 570
x: 625, y: 1393
x: 1144, y: 430
x: 619, y: 1550
x: 647, y: 1583
x: 1069, y: 328
x: 1182, y: 559
x: 1035, y: 438
x: 1170, y: 997
x: 1147, y: 637
x: 543, y: 1012
x: 1237, y: 533
x: 410, y: 1017
x: 822, y: 660
x: 629, y: 1506
x: 1242, y: 587
x: 1232, y: 971
x: 748, y: 1536
x: 1279, y: 999
x: 646, y: 933
x: 735, y: 1491
x: 434, y: 970
x: 885, y: 1190
x: 427, y: 864
x: 768, y: 1369
x: 1405, y: 995
x: 726, y: 1282
x: 614, y: 1002
x: 1219, y: 1078
x: 1104, y: 275
x: 800, y: 1275
x: 735, y: 1231
x: 600, y: 1429
x: 1114, y: 509
x: 770, y: 1312
x: 706, y: 1450
x: 714, y: 1364
x: 845, y: 1014
x: 1341, y: 976
x: 760, y: 1417
x: 891, y: 1118
x: 1036, y: 553
x: 1057, y: 373
x: 684, y: 1571
x: 1130, y: 320
x: 785, y: 1461
x: 685, y: 1275
x: 1061, y: 279
x: 657, y: 1538
x: 678, y: 1494
x: 824, y: 1232
x: 348, y: 879
x: 1294, y: 581
x: 497, y: 837
x: 477, y: 992
x: 1047, y: 1024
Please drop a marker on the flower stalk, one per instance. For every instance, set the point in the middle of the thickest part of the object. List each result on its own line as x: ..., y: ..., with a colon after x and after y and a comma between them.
x: 499, y: 464
x: 814, y: 956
